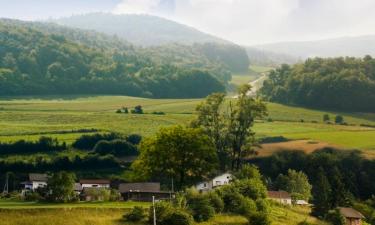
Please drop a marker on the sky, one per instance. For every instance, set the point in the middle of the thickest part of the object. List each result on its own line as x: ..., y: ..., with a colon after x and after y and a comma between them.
x: 246, y: 22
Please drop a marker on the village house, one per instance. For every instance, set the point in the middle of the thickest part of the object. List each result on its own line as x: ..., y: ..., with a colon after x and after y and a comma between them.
x: 352, y: 216
x: 218, y: 181
x: 282, y: 197
x: 36, y: 180
x: 95, y: 183
x: 143, y: 192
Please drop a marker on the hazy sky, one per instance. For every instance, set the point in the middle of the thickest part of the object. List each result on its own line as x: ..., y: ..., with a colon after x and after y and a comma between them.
x: 242, y: 21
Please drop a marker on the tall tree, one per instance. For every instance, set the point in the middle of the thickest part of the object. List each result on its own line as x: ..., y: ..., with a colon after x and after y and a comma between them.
x: 212, y: 120
x: 185, y: 154
x: 340, y: 195
x: 242, y: 115
x: 230, y: 127
x: 321, y: 195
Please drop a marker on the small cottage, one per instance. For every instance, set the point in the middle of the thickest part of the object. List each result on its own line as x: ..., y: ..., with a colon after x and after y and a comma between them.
x: 36, y: 180
x: 282, y: 197
x: 218, y: 181
x: 143, y: 192
x: 352, y: 216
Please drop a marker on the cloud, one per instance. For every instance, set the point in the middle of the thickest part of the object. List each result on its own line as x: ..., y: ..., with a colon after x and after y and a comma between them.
x: 260, y: 21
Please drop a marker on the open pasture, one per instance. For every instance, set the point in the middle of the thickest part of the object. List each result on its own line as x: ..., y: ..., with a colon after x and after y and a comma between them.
x: 69, y: 117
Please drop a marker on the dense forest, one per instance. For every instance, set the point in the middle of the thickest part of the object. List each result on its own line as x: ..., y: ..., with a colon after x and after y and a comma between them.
x: 334, y: 83
x: 43, y: 61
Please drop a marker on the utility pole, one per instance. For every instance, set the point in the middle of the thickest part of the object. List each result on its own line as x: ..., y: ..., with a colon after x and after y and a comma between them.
x: 153, y: 206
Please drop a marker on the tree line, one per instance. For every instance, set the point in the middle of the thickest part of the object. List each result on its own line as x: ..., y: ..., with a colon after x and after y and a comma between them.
x: 346, y: 84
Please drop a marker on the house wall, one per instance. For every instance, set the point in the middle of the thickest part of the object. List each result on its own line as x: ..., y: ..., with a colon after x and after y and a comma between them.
x: 95, y: 186
x: 353, y: 221
x: 221, y: 180
x: 285, y: 201
x: 38, y: 184
x: 204, y: 186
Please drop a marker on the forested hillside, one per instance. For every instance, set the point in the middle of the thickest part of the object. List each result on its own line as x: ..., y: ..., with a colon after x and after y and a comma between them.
x: 334, y: 83
x: 143, y: 30
x: 167, y: 40
x: 35, y: 61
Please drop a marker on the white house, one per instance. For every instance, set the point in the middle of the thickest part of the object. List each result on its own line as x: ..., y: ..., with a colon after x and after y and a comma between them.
x: 282, y: 197
x: 95, y: 183
x: 36, y: 180
x: 214, y: 183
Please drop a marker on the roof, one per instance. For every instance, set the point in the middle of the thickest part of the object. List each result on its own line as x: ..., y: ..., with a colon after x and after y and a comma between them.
x: 351, y: 213
x: 278, y: 194
x: 94, y: 181
x: 38, y: 177
x: 139, y: 187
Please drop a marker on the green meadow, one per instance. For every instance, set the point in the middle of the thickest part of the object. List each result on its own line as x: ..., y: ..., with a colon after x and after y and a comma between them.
x: 65, y: 118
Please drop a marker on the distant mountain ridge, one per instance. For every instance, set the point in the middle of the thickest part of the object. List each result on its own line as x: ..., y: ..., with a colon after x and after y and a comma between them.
x: 143, y: 30
x: 345, y: 46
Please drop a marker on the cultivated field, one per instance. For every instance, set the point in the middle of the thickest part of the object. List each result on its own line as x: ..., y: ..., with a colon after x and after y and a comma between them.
x: 65, y: 119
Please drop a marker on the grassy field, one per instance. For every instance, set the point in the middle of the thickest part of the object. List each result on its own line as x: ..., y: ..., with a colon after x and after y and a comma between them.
x: 17, y: 213
x: 63, y: 118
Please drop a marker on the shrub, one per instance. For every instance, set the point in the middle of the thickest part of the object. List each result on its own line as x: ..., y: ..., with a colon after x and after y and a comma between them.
x: 335, y: 217
x: 137, y: 110
x: 251, y: 188
x: 118, y: 111
x: 116, y: 148
x: 87, y: 142
x: 259, y: 219
x: 339, y: 119
x: 135, y: 215
x: 135, y: 139
x: 177, y: 217
x: 304, y: 223
x: 326, y: 118
x: 199, y: 205
x: 216, y: 202
x: 32, y: 196
x: 162, y: 210
x: 275, y: 139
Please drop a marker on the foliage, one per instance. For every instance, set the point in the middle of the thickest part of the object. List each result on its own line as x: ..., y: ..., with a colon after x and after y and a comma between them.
x: 248, y: 171
x: 231, y: 129
x: 116, y: 147
x: 185, y: 154
x: 295, y: 183
x: 135, y: 215
x: 335, y: 83
x: 252, y: 188
x: 339, y: 119
x: 335, y: 217
x: 44, y: 144
x: 166, y: 214
x: 61, y: 187
x: 326, y: 118
x: 137, y: 110
x: 216, y: 202
x: 200, y: 206
x: 88, y: 142
x: 35, y: 61
x: 98, y: 194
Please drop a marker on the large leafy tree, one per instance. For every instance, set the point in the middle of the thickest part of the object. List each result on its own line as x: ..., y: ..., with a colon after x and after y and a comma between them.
x: 229, y: 124
x: 61, y: 187
x: 295, y: 183
x: 184, y: 154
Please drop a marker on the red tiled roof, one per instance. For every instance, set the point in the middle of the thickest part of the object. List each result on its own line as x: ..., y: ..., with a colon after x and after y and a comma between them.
x: 278, y: 194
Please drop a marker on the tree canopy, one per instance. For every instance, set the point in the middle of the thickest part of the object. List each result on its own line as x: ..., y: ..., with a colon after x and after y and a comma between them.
x: 334, y: 83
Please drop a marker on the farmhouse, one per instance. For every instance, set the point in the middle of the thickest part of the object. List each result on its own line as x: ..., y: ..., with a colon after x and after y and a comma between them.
x: 282, y: 197
x: 36, y: 180
x: 214, y: 183
x: 352, y: 216
x: 143, y: 192
x: 95, y: 183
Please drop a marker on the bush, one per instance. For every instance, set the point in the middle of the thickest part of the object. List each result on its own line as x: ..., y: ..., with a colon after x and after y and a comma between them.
x: 116, y: 148
x: 339, y: 119
x: 88, y: 142
x: 135, y: 215
x: 259, y: 219
x: 199, y: 205
x: 275, y: 139
x: 177, y: 217
x: 326, y: 118
x: 162, y: 210
x: 135, y: 139
x: 216, y: 202
x: 304, y: 223
x: 137, y: 110
x: 32, y: 196
x: 251, y: 188
x: 335, y: 217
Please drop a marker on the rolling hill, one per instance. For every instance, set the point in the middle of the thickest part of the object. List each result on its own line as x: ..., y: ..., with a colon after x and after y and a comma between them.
x: 143, y: 30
